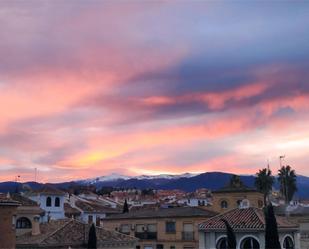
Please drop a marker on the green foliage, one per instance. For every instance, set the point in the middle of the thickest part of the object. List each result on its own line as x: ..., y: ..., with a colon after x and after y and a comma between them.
x: 125, y: 207
x: 264, y: 182
x: 287, y: 180
x: 236, y: 182
x: 92, y: 239
x: 271, y: 229
x: 105, y: 190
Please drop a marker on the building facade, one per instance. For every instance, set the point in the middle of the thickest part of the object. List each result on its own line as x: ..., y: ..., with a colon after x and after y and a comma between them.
x: 51, y: 201
x: 163, y: 228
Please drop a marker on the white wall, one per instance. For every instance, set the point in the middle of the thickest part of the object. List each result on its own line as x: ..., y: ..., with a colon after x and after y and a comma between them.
x: 52, y: 211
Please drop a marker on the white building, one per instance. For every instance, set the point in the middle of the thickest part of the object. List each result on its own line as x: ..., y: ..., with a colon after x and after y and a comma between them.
x: 91, y: 210
x: 50, y: 200
x: 194, y: 202
x: 249, y: 227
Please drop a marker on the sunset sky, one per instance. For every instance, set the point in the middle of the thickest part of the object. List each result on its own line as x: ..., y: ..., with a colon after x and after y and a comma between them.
x: 88, y: 88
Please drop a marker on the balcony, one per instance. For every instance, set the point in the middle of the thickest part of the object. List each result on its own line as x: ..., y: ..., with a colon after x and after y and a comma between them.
x: 188, y: 236
x: 146, y: 235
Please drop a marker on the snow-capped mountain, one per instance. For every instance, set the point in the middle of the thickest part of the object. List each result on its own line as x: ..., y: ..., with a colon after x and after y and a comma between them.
x: 107, y: 178
x: 164, y: 176
x: 115, y: 177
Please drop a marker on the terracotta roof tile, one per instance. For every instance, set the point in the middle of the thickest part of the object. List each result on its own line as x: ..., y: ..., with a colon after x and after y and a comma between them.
x: 243, y: 219
x: 69, y: 232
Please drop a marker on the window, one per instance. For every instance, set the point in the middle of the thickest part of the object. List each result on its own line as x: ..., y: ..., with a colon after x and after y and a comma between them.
x: 188, y: 233
x: 138, y: 247
x: 23, y: 223
x: 170, y: 227
x: 48, y: 201
x: 97, y: 221
x: 245, y: 203
x: 222, y: 243
x: 288, y: 243
x: 125, y: 229
x: 224, y: 204
x: 160, y: 246
x: 238, y: 203
x: 90, y: 219
x: 148, y: 247
x: 172, y: 247
x: 57, y: 202
x: 250, y: 243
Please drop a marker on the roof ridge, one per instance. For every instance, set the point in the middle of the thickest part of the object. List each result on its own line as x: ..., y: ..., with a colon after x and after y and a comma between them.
x: 58, y: 229
x: 258, y: 214
x: 116, y: 232
x: 214, y: 217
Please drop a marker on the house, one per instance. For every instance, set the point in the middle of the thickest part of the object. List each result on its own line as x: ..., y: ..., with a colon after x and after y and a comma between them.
x: 28, y: 214
x: 8, y: 209
x: 70, y: 233
x: 87, y: 210
x: 249, y: 227
x: 161, y: 228
x: 93, y: 212
x: 194, y: 200
x: 51, y: 200
x: 236, y: 195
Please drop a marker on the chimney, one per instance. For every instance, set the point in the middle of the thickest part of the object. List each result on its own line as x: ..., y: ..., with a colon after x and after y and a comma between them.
x: 36, y: 225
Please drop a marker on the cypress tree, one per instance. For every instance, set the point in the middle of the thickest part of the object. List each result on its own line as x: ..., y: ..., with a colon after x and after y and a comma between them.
x: 92, y: 238
x: 231, y: 238
x: 271, y: 229
x: 125, y: 207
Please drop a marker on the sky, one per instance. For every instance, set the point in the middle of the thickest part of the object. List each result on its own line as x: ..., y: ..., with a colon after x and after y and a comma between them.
x: 89, y: 88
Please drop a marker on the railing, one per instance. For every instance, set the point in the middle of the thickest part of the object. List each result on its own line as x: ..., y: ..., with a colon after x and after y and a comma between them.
x: 146, y: 235
x: 188, y: 236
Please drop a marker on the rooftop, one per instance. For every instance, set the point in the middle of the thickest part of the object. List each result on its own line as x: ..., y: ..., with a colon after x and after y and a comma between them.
x: 244, y: 219
x: 70, y: 232
x: 165, y: 212
x: 6, y: 200
x: 94, y: 207
x: 46, y: 190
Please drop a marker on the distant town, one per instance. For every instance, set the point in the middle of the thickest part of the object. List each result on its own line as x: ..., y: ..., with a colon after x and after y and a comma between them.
x: 86, y: 216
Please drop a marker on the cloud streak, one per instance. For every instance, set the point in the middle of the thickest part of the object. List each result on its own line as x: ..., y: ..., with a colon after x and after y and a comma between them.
x: 92, y: 88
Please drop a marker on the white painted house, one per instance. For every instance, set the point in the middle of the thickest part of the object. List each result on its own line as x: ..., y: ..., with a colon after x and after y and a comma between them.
x: 51, y: 200
x: 249, y: 227
x: 91, y: 210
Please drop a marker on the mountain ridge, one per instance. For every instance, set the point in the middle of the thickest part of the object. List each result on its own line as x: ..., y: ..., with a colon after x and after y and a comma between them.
x: 187, y: 182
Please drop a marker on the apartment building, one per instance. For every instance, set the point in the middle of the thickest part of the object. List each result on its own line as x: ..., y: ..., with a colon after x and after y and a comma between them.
x: 161, y: 228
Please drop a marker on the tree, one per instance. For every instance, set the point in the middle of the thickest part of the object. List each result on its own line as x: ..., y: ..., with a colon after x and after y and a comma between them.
x: 231, y: 238
x: 125, y: 207
x: 287, y: 181
x: 236, y: 182
x: 271, y: 229
x: 92, y: 238
x: 264, y: 182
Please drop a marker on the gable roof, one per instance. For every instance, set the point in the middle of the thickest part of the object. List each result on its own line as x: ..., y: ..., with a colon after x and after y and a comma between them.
x: 93, y: 207
x: 46, y: 190
x: 247, y: 219
x: 165, y: 212
x: 70, y: 232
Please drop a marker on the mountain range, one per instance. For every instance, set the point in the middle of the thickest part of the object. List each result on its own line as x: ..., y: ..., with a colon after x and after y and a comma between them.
x: 187, y: 182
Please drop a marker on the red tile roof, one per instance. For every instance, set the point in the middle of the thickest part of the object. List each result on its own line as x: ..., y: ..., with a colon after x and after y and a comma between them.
x: 243, y: 219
